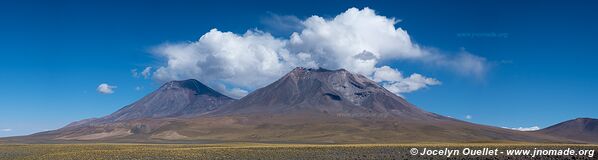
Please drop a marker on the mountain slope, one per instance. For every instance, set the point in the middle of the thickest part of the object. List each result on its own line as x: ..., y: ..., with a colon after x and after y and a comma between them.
x: 582, y: 129
x: 304, y: 106
x: 325, y: 91
x: 334, y: 106
x: 175, y: 99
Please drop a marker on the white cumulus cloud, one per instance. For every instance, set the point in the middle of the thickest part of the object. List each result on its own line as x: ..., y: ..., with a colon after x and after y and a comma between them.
x: 533, y: 128
x: 247, y: 61
x: 394, y: 81
x: 358, y: 40
x: 105, y: 88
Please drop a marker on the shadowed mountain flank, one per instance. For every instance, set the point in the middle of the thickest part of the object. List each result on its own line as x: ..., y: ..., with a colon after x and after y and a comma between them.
x: 582, y: 129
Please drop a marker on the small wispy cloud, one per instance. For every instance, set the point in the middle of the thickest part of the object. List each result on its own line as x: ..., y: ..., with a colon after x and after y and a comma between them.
x: 134, y: 73
x: 145, y: 73
x: 106, y: 88
x: 282, y: 24
x: 468, y: 117
x: 6, y: 130
x: 533, y: 128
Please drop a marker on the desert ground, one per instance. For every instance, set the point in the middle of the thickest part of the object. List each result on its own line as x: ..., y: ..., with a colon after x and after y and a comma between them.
x: 265, y: 151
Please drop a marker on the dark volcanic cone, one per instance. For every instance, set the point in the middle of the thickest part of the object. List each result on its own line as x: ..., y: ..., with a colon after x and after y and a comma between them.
x: 333, y: 92
x: 173, y: 99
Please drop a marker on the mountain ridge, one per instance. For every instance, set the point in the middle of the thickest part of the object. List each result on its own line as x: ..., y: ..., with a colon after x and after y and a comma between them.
x: 582, y: 129
x: 173, y: 99
x: 342, y: 92
x: 304, y: 106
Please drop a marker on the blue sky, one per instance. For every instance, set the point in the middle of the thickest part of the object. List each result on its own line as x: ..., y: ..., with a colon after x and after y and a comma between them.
x: 54, y: 54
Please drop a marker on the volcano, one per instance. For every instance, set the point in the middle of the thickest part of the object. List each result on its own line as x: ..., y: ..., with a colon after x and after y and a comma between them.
x: 304, y: 106
x: 334, y: 93
x: 336, y: 106
x: 173, y: 99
